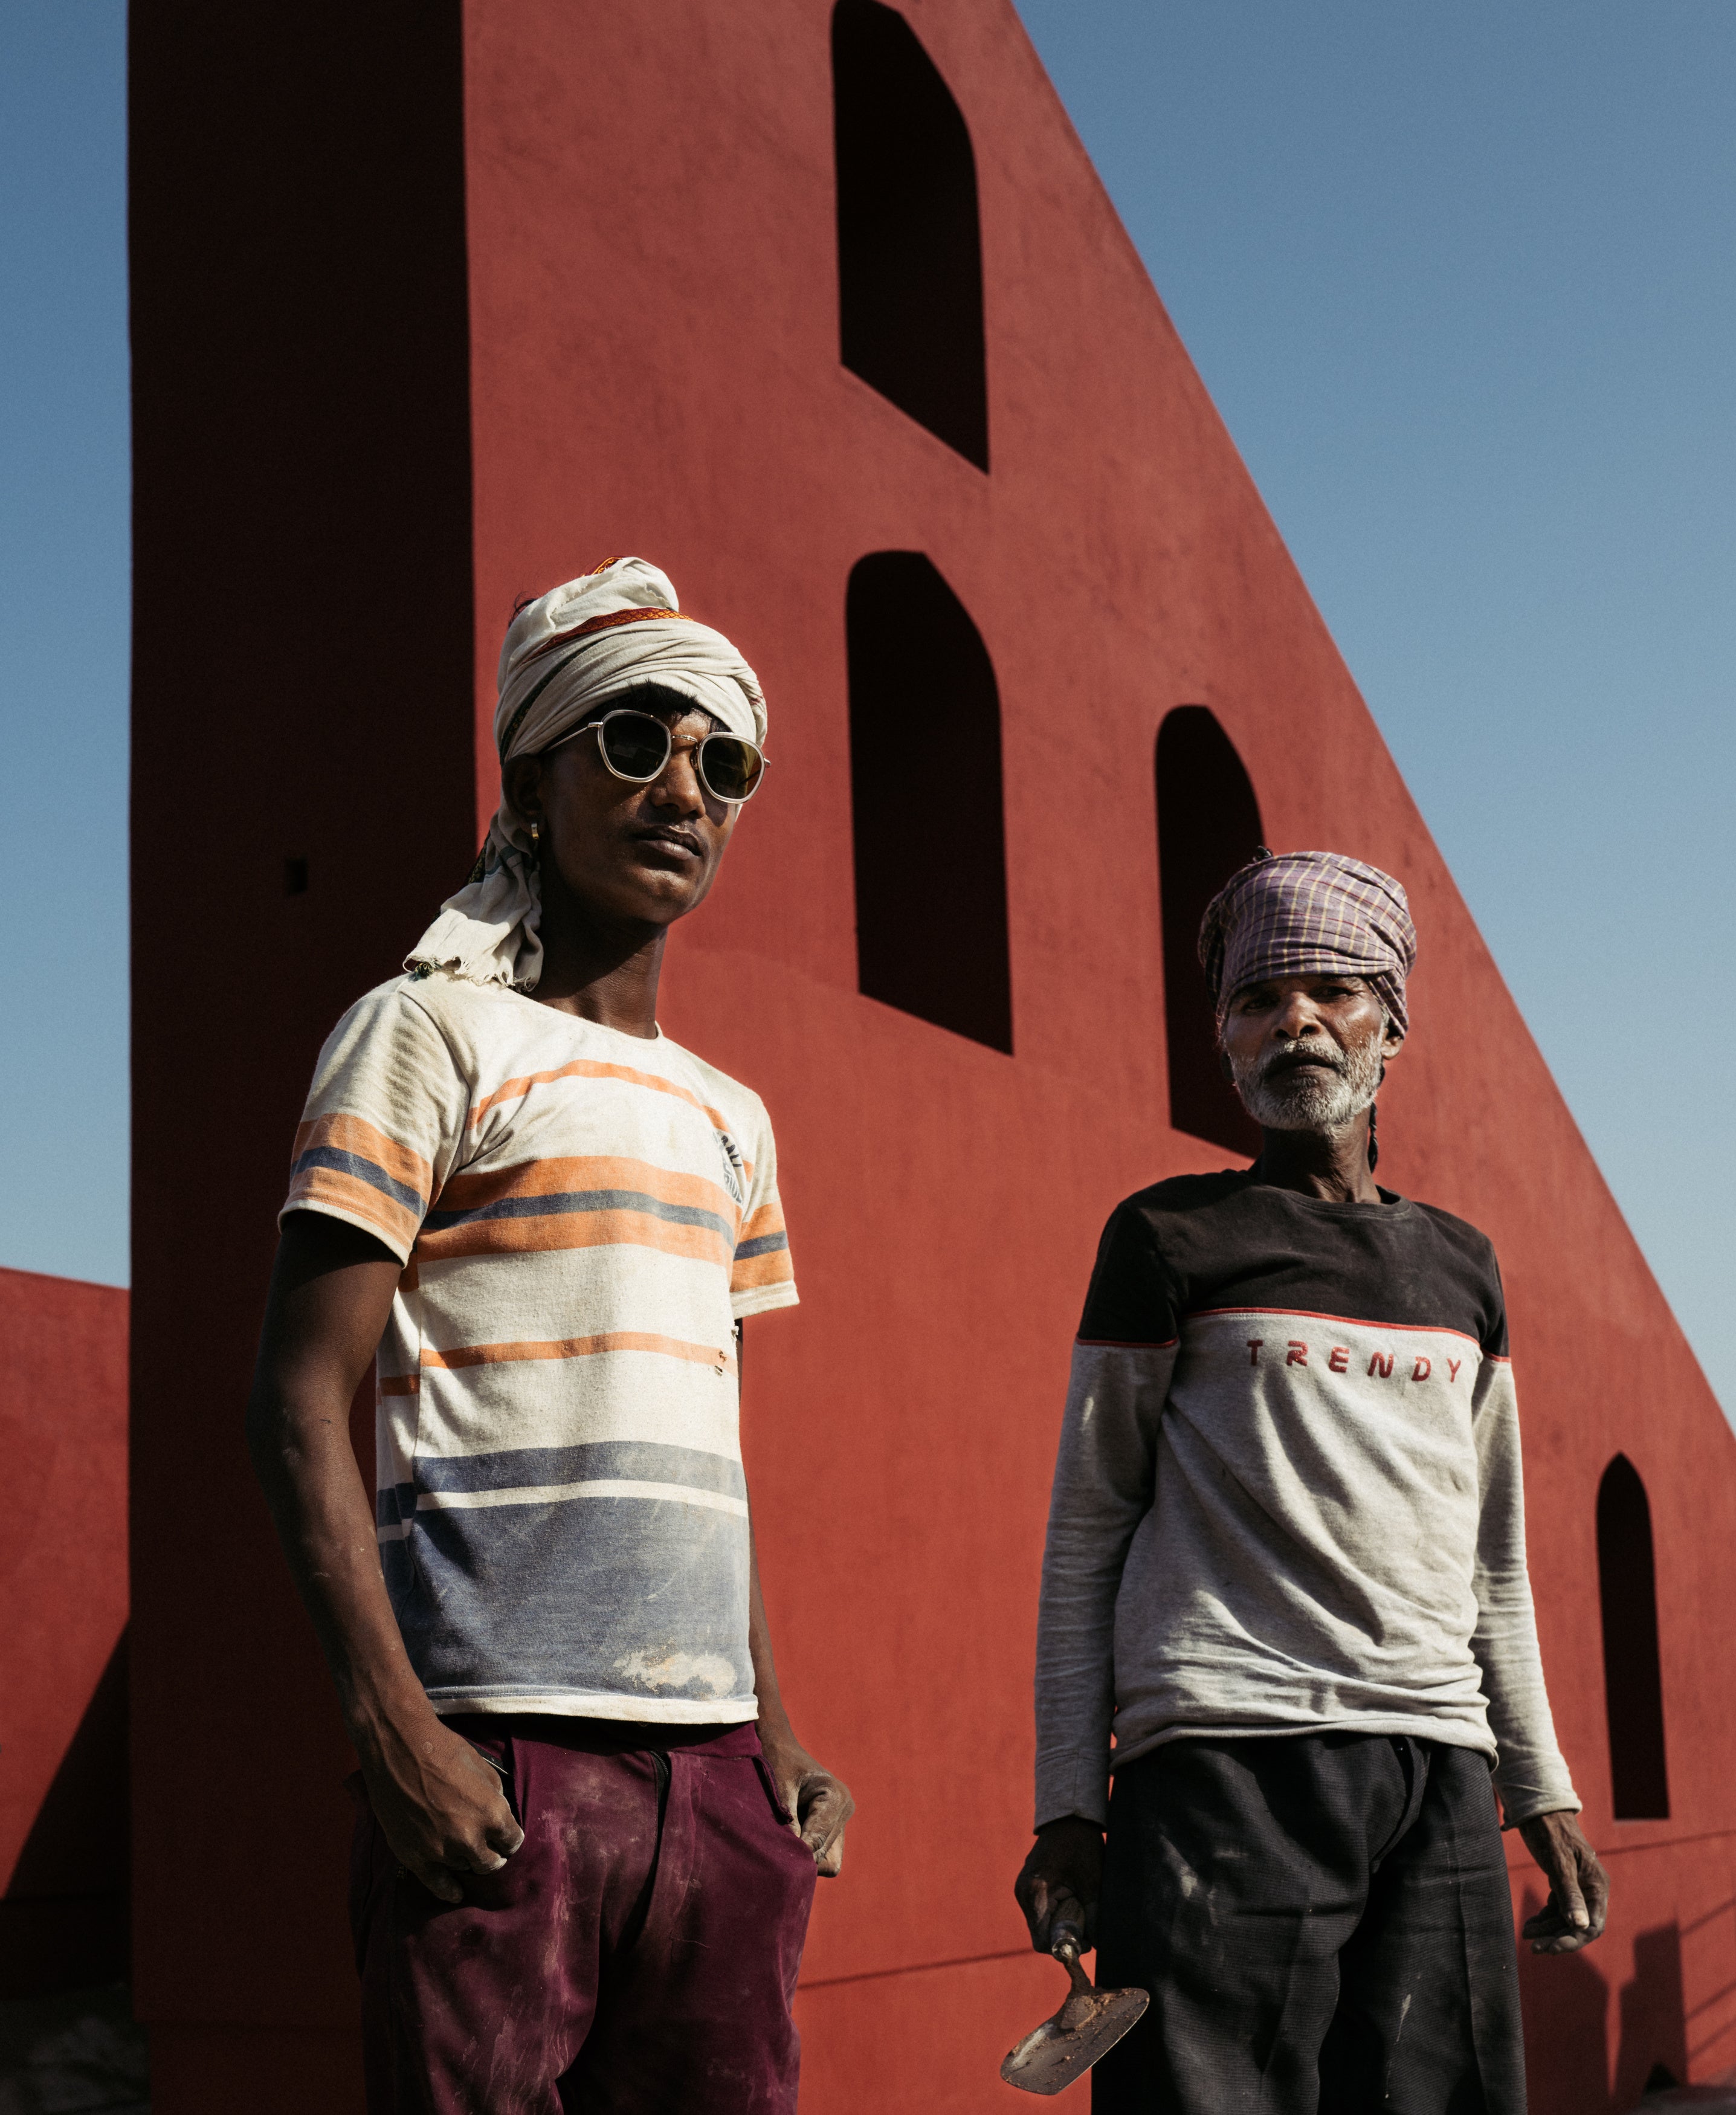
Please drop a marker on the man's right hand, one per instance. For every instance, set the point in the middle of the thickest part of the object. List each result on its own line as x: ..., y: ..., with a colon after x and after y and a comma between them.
x: 439, y: 1806
x: 1061, y: 1880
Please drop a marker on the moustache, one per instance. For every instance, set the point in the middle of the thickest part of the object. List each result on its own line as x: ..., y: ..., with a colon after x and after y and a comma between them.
x: 1286, y: 1061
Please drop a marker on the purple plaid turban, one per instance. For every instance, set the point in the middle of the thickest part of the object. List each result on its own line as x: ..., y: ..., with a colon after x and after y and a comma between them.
x: 1297, y: 913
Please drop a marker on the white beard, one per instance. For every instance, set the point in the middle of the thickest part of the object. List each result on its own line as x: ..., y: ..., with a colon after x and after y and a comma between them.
x: 1305, y: 1101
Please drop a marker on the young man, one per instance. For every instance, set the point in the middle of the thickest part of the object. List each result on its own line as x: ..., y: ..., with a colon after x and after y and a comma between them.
x: 1286, y: 1561
x: 590, y: 1836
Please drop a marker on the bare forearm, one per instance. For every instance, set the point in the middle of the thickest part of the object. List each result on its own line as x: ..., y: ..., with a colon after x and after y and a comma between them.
x: 819, y: 1804
x: 438, y: 1801
x: 773, y: 1719
x: 301, y: 1453
x: 330, y: 1292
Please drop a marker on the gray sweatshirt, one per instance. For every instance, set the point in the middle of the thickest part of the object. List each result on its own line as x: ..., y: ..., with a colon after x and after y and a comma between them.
x: 1289, y: 1494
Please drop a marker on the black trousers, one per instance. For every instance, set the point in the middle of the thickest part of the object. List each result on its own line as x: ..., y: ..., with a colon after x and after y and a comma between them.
x: 1324, y: 1923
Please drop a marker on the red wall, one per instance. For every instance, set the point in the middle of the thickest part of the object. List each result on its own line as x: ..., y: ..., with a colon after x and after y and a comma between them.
x: 652, y: 366
x: 63, y: 1649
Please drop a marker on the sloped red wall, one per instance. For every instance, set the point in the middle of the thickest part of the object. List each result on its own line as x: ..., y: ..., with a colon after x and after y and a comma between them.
x: 63, y: 1791
x: 654, y: 366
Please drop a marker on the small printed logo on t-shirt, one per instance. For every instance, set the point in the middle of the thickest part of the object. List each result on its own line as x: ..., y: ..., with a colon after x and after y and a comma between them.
x: 734, y: 1168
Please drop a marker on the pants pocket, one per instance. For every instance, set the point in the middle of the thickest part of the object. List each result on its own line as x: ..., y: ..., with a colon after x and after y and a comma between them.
x: 784, y: 1822
x: 506, y: 1767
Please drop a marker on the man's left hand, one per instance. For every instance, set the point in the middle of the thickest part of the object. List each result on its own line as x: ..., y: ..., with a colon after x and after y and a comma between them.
x: 1579, y: 1886
x: 820, y: 1802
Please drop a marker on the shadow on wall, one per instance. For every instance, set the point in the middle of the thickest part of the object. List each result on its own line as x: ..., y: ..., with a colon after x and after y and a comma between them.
x: 1208, y: 825
x: 1633, y: 1695
x: 1566, y: 2001
x: 63, y: 1920
x: 909, y: 248
x: 1653, y: 2019
x: 925, y: 751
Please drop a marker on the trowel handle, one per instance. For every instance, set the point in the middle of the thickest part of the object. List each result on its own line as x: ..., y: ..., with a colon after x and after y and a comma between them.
x: 1067, y: 1942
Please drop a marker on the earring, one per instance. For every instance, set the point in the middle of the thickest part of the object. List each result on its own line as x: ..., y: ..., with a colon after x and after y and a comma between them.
x: 535, y: 837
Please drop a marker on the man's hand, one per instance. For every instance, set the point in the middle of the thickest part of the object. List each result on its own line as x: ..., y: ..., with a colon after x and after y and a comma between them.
x: 440, y: 1806
x: 820, y: 1802
x: 1061, y: 1880
x: 1579, y: 1886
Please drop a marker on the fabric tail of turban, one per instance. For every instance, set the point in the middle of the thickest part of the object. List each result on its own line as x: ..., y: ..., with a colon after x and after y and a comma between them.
x: 566, y: 654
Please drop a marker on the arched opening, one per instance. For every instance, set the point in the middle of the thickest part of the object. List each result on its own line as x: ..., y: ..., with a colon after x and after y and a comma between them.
x: 909, y: 251
x: 1208, y: 824
x: 925, y: 801
x: 1633, y: 1683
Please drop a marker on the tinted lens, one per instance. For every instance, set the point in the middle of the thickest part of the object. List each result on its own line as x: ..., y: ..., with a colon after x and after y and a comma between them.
x: 635, y: 744
x: 730, y: 767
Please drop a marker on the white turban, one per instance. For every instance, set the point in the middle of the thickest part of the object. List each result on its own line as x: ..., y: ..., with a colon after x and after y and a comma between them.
x: 565, y: 653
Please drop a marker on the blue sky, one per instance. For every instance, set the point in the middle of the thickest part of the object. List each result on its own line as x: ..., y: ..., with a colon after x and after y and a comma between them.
x: 64, y: 547
x: 1463, y: 283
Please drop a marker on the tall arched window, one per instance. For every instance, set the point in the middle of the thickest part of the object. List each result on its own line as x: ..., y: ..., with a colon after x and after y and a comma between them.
x: 909, y: 252
x: 1208, y: 824
x: 1632, y: 1684
x: 925, y: 801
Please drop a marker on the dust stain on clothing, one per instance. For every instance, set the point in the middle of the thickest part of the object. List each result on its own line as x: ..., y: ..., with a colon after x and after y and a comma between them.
x: 710, y: 1671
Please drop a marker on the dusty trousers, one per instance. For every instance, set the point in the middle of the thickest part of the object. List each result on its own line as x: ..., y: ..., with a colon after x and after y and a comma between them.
x: 1325, y: 1925
x: 636, y: 1955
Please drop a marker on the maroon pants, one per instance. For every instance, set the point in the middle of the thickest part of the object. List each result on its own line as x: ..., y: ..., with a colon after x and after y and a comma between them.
x: 636, y: 1955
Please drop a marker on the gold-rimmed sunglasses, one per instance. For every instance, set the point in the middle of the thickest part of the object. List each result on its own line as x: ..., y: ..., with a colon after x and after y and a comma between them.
x: 637, y: 746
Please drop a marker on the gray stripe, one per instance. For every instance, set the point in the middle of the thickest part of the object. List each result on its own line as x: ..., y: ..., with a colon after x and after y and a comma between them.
x: 632, y: 1597
x: 635, y: 1461
x: 584, y: 1201
x: 761, y: 1245
x: 365, y: 1171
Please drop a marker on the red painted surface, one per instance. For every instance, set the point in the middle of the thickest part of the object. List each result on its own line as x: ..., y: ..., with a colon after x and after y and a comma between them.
x: 654, y: 366
x: 62, y: 1649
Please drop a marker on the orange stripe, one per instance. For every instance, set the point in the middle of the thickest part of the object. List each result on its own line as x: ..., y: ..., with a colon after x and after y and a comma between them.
x: 401, y: 1383
x: 588, y: 1068
x: 331, y: 1186
x: 607, y: 622
x: 768, y: 1219
x: 469, y: 1192
x: 573, y: 1229
x: 581, y: 1347
x: 351, y: 1134
x: 753, y: 1272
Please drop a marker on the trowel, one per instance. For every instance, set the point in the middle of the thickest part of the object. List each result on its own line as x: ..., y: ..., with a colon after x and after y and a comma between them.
x: 1088, y: 2026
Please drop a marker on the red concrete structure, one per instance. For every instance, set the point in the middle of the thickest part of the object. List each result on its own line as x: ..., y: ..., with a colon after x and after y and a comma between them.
x: 826, y: 311
x: 63, y: 1791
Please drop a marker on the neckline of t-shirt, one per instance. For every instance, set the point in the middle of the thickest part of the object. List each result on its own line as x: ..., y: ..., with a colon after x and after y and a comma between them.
x: 1391, y: 1206
x: 600, y: 1027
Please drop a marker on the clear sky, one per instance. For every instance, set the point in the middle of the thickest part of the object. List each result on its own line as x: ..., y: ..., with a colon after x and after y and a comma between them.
x: 1463, y: 283
x: 64, y: 584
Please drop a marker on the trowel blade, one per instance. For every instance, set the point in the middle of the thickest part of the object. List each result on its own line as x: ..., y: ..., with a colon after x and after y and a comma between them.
x: 1088, y: 2025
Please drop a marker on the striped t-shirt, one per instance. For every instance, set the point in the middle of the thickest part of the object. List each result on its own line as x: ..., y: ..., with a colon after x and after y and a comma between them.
x: 582, y: 1216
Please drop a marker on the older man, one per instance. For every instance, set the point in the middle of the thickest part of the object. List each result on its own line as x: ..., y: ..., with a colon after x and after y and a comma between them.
x: 589, y: 1836
x: 1286, y: 1573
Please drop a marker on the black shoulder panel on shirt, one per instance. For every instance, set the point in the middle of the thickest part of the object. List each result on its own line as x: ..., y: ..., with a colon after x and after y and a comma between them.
x: 1133, y: 1295
x: 1199, y: 1243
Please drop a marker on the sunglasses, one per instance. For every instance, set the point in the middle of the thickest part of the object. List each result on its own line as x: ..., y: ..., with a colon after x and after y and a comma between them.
x: 637, y: 746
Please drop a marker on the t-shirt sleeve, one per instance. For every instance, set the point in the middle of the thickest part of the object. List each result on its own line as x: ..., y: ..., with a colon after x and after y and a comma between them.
x: 1530, y: 1774
x: 1104, y: 1473
x: 763, y: 1277
x: 383, y: 1123
x: 1133, y: 1298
